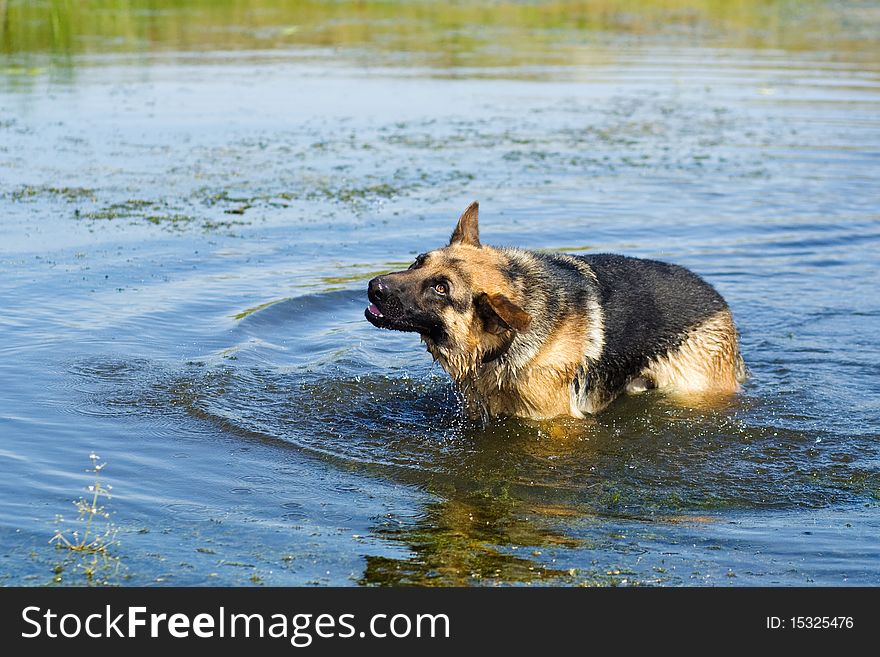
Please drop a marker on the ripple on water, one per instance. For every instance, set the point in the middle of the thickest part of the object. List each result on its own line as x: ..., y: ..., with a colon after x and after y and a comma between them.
x: 645, y: 455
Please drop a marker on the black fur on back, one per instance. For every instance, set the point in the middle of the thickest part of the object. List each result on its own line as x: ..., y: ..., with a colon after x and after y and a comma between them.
x: 648, y: 307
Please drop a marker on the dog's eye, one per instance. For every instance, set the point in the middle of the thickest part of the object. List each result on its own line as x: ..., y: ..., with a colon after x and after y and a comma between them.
x: 440, y: 288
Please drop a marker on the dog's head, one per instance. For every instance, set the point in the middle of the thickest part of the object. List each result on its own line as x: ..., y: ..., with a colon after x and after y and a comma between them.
x: 459, y: 298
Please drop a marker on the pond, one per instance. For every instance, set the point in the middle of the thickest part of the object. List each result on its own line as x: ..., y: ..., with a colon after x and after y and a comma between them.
x: 193, y: 196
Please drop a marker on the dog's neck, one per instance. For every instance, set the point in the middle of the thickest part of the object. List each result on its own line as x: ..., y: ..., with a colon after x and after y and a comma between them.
x: 461, y: 365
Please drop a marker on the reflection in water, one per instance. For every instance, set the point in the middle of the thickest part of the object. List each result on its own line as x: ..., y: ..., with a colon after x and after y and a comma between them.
x: 186, y: 234
x: 480, y: 538
x: 479, y: 530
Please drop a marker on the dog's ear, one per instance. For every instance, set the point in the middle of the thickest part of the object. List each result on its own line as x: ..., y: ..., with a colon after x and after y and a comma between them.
x: 500, y: 314
x: 468, y: 230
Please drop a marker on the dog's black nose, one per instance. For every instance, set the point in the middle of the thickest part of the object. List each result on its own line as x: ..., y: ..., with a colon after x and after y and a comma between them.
x: 377, y: 290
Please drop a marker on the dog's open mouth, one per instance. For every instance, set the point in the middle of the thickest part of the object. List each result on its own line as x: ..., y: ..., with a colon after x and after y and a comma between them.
x: 376, y: 317
x: 373, y: 311
x: 379, y: 317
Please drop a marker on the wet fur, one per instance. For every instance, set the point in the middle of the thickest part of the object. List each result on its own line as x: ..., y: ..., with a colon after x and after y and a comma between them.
x: 540, y: 335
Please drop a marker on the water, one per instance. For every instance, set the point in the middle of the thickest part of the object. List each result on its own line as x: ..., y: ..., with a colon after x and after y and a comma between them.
x: 191, y: 210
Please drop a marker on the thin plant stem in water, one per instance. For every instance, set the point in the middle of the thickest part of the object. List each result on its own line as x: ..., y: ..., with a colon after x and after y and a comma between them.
x: 91, y: 541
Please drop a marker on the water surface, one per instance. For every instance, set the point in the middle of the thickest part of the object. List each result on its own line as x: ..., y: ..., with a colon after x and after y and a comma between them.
x: 193, y: 196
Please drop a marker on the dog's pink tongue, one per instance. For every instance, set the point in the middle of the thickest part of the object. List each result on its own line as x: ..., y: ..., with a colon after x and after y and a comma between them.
x: 374, y: 310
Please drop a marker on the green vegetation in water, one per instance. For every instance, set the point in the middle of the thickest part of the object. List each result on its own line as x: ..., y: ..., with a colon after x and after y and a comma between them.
x: 158, y: 213
x: 174, y: 220
x: 88, y: 544
x: 254, y: 309
x: 125, y: 210
x: 186, y: 215
x: 566, y: 249
x: 360, y: 273
x: 313, y: 188
x: 470, y: 33
x: 145, y: 210
x: 138, y: 209
x: 27, y: 192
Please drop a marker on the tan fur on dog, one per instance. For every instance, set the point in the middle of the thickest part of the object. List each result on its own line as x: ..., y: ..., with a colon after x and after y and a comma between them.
x: 708, y: 361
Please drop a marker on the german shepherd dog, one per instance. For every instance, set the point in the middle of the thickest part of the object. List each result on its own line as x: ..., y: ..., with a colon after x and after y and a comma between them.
x: 538, y: 335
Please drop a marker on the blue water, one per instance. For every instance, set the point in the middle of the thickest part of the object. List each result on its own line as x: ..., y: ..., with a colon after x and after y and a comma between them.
x: 185, y: 242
